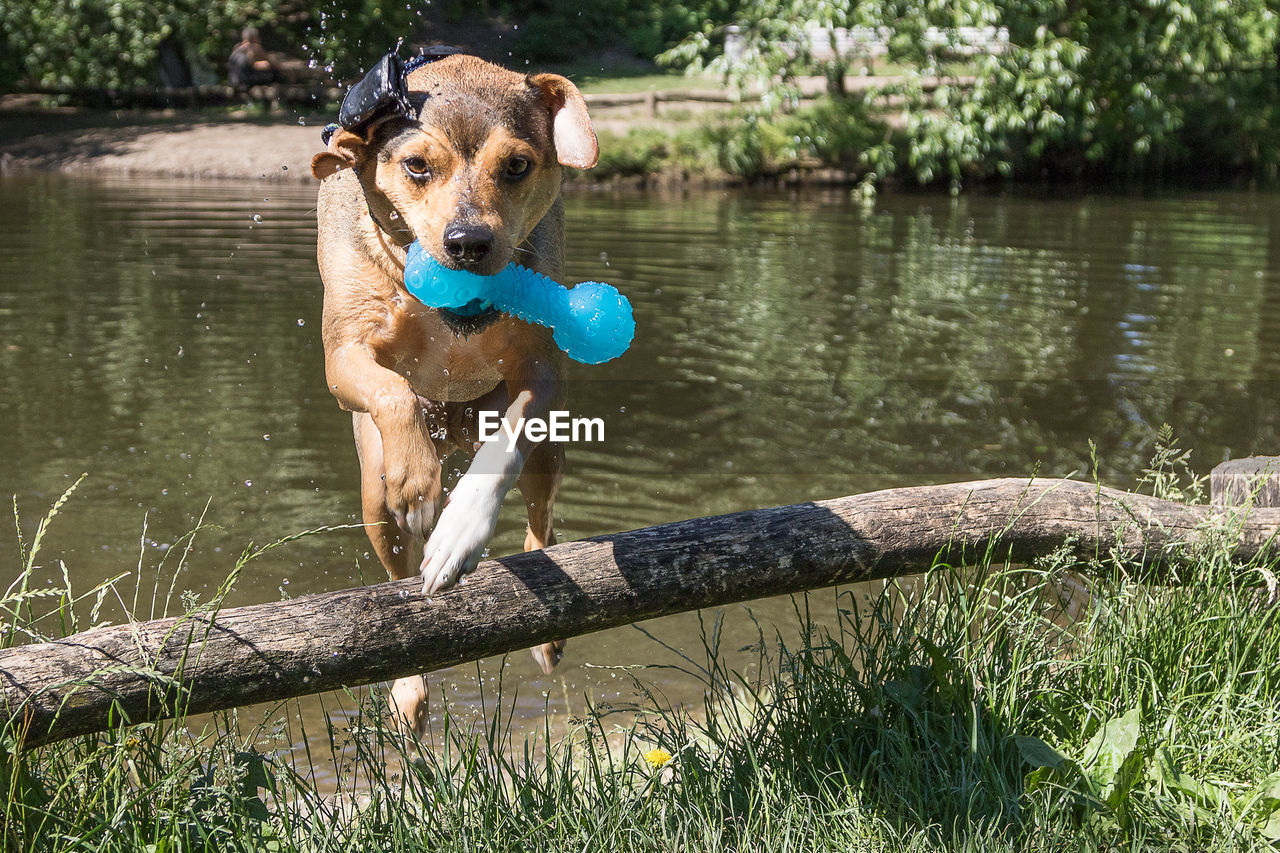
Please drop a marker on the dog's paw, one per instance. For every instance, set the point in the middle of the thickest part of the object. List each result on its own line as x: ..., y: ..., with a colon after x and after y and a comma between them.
x: 413, y: 492
x: 408, y: 704
x: 466, y: 524
x: 548, y: 655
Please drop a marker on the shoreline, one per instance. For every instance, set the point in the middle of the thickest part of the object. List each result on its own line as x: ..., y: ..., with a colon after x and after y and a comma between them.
x: 273, y: 148
x: 162, y: 144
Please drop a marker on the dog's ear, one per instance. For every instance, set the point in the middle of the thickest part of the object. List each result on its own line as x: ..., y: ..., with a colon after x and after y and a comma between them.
x: 571, y: 127
x: 345, y: 151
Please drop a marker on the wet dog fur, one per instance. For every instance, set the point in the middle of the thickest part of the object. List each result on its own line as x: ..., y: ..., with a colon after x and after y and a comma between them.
x: 475, y: 179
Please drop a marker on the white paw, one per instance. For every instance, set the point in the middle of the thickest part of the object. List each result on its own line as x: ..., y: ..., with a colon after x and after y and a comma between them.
x: 465, y: 526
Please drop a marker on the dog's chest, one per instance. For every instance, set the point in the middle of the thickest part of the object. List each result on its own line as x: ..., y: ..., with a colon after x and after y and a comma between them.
x: 439, y: 365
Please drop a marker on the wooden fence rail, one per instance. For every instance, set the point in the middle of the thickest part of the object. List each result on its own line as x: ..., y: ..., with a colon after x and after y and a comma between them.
x: 203, y: 662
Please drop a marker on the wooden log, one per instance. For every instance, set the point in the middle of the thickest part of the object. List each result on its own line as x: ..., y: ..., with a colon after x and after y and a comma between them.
x: 148, y: 670
x: 1239, y: 481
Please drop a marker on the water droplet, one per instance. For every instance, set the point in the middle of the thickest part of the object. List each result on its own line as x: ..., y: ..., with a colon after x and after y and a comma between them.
x: 302, y: 121
x: 301, y: 322
x: 257, y: 217
x: 248, y: 483
x: 266, y: 436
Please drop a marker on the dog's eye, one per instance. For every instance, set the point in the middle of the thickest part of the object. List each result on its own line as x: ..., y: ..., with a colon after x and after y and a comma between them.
x: 518, y: 167
x: 416, y: 168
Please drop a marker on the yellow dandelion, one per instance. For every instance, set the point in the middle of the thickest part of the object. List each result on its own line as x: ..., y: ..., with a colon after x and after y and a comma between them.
x: 656, y: 758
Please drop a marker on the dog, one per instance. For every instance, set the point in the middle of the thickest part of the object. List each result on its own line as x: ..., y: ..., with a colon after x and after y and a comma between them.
x: 466, y: 158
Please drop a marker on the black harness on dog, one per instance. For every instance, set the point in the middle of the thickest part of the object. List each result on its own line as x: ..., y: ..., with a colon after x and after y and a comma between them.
x: 383, y: 90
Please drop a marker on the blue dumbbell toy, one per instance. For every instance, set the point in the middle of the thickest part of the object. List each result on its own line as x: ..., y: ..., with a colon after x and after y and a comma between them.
x: 592, y: 322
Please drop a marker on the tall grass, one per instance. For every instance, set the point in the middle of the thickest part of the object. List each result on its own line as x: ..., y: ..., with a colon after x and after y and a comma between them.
x: 1002, y: 707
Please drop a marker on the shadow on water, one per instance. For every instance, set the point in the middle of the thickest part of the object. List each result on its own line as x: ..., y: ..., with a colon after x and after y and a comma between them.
x: 164, y: 337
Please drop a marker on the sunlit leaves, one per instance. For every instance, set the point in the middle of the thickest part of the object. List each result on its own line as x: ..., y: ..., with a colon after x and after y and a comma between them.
x: 1082, y: 86
x: 111, y: 44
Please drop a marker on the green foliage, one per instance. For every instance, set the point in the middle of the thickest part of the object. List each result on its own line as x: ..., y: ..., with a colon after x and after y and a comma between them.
x: 346, y: 37
x: 832, y: 132
x: 1089, y: 87
x: 114, y: 43
x: 1169, y: 475
x: 1117, y: 769
x: 1101, y: 86
x: 567, y: 30
x: 658, y: 26
x: 776, y: 44
x: 644, y: 151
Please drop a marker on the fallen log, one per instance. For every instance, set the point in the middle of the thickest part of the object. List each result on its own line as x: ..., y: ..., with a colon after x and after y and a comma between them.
x: 203, y: 662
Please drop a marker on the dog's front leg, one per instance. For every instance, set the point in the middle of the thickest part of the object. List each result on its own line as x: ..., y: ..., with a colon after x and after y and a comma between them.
x: 469, y: 518
x: 411, y: 469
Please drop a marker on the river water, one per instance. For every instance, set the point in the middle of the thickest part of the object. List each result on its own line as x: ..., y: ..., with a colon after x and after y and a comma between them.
x: 163, y: 337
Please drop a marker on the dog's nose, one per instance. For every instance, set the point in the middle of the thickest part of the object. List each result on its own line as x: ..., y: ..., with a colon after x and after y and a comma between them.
x: 468, y: 244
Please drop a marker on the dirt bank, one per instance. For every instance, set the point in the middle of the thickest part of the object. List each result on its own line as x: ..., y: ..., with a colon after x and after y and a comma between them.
x: 158, y: 144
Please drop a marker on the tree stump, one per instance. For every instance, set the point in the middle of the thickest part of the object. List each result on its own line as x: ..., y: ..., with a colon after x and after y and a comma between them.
x: 1237, y: 482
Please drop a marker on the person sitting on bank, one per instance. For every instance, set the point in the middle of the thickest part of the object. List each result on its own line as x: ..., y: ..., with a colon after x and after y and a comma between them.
x: 249, y: 64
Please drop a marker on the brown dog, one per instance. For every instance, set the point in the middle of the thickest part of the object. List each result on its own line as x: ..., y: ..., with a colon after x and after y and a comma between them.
x: 470, y: 167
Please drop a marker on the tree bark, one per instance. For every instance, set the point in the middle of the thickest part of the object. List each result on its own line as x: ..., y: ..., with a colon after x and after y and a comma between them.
x: 147, y: 670
x: 1239, y: 481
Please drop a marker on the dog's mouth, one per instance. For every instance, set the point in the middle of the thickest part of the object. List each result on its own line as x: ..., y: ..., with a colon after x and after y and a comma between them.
x: 476, y: 316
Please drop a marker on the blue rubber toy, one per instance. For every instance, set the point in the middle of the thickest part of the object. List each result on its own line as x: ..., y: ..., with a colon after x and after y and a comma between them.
x: 592, y: 322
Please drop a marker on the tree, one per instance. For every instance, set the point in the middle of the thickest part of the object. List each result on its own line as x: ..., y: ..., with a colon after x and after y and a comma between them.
x: 114, y: 43
x: 1070, y: 85
x: 346, y: 37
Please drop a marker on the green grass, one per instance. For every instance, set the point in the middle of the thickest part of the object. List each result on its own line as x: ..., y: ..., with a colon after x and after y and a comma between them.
x: 996, y: 708
x: 740, y: 144
x: 645, y: 151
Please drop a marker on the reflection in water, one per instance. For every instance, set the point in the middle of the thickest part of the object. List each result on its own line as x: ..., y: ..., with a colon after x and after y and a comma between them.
x: 164, y: 337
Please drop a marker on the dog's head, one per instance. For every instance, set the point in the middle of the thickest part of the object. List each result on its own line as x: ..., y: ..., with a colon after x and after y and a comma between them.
x: 465, y: 156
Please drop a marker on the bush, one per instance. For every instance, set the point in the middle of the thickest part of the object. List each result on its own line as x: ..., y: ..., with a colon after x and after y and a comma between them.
x: 1085, y: 88
x: 115, y: 43
x: 832, y: 132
